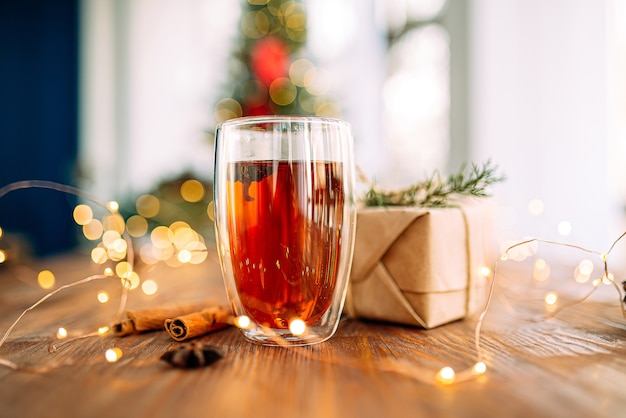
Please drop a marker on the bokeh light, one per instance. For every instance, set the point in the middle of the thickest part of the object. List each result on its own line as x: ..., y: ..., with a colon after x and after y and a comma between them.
x: 109, y: 237
x: 317, y: 81
x: 298, y: 70
x: 132, y: 281
x: 282, y: 91
x: 210, y: 211
x: 564, y: 228
x: 541, y: 270
x: 227, y: 109
x: 82, y: 214
x: 149, y: 287
x: 328, y: 109
x: 161, y: 237
x: 46, y: 279
x: 123, y: 269
x: 192, y: 190
x: 147, y: 205
x: 113, y: 222
x: 535, y: 207
x: 582, y: 272
x: 137, y: 226
x: 93, y: 230
x: 99, y: 255
x: 184, y: 256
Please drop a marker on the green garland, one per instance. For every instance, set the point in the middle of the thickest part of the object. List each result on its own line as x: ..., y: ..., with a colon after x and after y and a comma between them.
x: 437, y: 192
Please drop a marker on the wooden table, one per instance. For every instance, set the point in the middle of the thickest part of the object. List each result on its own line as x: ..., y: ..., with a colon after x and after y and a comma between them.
x: 571, y: 366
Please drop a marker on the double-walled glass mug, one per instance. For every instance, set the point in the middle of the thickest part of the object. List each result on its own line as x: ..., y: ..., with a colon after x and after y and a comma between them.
x: 285, y: 219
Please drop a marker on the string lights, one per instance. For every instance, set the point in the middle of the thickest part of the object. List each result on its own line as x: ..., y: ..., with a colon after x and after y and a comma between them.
x: 175, y: 245
x: 179, y: 244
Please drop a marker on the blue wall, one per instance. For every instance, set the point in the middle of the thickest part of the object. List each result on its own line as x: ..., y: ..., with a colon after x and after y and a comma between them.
x: 38, y: 117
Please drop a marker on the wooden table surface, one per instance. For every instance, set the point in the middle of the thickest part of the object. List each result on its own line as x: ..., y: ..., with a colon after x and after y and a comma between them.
x: 573, y: 365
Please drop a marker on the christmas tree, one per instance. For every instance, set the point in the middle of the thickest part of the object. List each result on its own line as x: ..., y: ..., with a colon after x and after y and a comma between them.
x: 270, y: 73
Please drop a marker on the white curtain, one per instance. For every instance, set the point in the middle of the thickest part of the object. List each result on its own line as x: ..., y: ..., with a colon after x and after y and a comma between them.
x: 151, y: 71
x: 543, y: 88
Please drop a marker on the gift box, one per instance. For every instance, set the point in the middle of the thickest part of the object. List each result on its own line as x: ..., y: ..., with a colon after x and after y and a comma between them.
x: 420, y: 266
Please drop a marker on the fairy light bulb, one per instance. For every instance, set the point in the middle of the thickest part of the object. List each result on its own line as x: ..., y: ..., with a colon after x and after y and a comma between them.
x: 446, y: 375
x: 485, y: 271
x: 113, y: 354
x: 479, y: 368
x: 61, y: 333
x: 103, y: 297
x: 551, y: 298
x: 242, y: 321
x: 103, y: 330
x: 608, y: 279
x: 3, y: 256
x: 297, y: 327
x: 184, y: 256
x: 113, y: 206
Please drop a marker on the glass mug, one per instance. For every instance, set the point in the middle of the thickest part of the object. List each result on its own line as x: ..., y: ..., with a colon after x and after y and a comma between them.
x: 285, y: 218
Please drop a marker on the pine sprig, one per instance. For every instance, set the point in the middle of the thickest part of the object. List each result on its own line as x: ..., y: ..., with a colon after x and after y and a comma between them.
x: 437, y: 192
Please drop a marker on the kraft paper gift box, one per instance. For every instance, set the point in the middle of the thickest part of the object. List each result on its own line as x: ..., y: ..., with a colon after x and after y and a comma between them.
x: 420, y: 266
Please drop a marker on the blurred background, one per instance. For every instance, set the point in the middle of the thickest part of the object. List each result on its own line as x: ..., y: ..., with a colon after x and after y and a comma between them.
x: 120, y: 98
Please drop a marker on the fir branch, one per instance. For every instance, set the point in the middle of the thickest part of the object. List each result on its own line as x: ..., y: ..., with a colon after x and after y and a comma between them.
x: 437, y: 192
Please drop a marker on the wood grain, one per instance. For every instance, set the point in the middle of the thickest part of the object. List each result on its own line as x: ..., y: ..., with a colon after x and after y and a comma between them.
x: 573, y: 365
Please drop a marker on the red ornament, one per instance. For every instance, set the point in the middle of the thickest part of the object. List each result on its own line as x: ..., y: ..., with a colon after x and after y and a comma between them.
x: 269, y: 59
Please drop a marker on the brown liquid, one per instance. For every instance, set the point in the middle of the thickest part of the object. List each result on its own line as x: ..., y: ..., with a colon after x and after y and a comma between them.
x: 284, y: 221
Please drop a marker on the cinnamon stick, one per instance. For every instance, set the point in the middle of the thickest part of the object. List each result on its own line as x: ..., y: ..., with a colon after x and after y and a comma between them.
x: 149, y: 319
x: 198, y: 323
x: 123, y: 328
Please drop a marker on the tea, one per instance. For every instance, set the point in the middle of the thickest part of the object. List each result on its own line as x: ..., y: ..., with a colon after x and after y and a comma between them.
x: 284, y: 220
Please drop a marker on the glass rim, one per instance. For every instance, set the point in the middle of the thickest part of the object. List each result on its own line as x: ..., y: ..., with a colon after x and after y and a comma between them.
x: 252, y: 120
